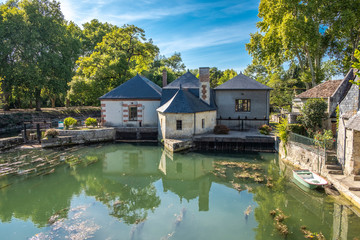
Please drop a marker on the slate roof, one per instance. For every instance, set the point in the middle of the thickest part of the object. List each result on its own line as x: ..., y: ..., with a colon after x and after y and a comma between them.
x: 188, y: 80
x: 354, y: 122
x: 242, y: 82
x: 323, y: 90
x: 137, y: 87
x: 185, y: 102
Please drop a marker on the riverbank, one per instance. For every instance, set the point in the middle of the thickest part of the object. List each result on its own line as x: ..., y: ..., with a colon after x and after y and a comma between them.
x: 304, y: 157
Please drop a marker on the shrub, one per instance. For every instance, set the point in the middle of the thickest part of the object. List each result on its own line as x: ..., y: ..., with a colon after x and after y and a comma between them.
x: 325, y: 139
x: 297, y: 128
x: 313, y: 112
x: 69, y: 122
x: 221, y: 129
x: 51, y: 133
x: 265, y: 129
x: 91, y: 122
x: 282, y: 130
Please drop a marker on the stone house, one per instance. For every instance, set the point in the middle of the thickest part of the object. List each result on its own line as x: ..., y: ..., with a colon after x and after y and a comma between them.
x: 187, y: 107
x: 331, y: 91
x: 242, y: 103
x: 132, y: 104
x: 348, y: 139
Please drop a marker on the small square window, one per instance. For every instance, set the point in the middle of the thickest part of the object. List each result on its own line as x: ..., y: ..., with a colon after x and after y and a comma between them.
x: 203, y: 123
x: 178, y: 124
x: 242, y: 105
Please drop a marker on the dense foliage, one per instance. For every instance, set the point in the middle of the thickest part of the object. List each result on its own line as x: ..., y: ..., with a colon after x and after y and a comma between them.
x: 312, y: 115
x: 51, y: 133
x: 265, y: 129
x: 324, y: 139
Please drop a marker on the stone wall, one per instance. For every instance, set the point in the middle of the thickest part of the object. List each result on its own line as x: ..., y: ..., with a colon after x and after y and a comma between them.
x: 352, y: 153
x: 7, y: 143
x: 70, y: 137
x: 305, y: 157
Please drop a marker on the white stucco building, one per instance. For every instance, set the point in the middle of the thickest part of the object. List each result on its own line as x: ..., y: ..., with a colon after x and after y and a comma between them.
x: 132, y: 104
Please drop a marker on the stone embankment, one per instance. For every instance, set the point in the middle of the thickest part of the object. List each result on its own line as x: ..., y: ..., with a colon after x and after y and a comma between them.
x: 11, y: 142
x: 321, y: 162
x: 72, y: 137
x: 12, y: 121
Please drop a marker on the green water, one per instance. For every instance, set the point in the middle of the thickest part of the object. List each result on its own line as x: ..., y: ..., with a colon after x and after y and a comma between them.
x: 123, y: 191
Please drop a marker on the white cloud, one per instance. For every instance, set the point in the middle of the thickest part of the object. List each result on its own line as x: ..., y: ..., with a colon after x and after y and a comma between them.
x: 214, y: 37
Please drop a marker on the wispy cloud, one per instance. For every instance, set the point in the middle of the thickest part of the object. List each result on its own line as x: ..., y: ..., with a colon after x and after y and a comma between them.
x: 213, y: 37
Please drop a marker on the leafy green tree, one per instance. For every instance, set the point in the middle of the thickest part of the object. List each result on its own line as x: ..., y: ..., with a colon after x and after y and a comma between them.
x: 294, y: 31
x: 227, y: 75
x: 215, y: 75
x: 121, y: 54
x: 356, y: 64
x: 93, y: 33
x: 312, y: 114
x: 175, y: 62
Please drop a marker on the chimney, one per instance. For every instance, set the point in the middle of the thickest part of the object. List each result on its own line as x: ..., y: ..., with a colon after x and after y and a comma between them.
x: 204, y: 90
x: 164, y: 78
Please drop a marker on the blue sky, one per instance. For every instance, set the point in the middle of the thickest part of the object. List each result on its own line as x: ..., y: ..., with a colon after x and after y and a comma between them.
x: 206, y: 33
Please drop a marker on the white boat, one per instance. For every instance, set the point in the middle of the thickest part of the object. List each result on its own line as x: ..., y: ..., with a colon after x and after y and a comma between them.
x: 308, y: 178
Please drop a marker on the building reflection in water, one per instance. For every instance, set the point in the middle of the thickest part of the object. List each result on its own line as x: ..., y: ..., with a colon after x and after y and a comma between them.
x: 187, y: 177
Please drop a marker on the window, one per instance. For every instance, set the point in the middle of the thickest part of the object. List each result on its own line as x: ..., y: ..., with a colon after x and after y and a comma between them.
x: 132, y: 113
x: 203, y: 123
x: 178, y: 125
x: 242, y: 105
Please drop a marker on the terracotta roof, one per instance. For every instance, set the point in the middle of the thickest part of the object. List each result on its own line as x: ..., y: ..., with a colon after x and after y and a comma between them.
x: 323, y: 90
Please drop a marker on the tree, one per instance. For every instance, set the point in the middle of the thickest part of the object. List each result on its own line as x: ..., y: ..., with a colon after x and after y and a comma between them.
x: 356, y: 64
x: 227, y: 75
x: 93, y: 33
x: 175, y: 62
x: 312, y: 114
x: 37, y: 52
x: 121, y: 54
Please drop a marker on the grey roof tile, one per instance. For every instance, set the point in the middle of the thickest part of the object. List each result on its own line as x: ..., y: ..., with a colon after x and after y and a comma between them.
x: 242, y: 82
x: 188, y: 80
x: 354, y: 122
x: 185, y: 102
x: 137, y: 87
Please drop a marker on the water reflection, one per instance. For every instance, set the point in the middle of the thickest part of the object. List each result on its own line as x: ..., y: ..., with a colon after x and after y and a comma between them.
x: 188, y: 177
x: 132, y: 182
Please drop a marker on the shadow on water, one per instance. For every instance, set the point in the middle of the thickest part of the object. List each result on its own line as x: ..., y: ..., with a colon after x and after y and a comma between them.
x: 152, y: 192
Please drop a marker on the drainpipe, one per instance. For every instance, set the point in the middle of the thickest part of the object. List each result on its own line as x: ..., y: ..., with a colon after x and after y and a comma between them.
x: 194, y: 123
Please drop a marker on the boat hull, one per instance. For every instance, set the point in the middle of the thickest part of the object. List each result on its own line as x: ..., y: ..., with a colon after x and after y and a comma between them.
x: 300, y: 174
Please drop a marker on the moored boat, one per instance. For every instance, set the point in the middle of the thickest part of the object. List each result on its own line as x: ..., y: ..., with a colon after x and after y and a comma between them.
x: 308, y: 178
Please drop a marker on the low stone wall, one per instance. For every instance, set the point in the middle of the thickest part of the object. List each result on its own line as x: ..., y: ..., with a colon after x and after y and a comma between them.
x: 6, y: 143
x: 70, y: 137
x: 305, y: 157
x: 177, y: 145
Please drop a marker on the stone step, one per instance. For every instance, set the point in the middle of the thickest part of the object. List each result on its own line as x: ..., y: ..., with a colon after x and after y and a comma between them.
x: 334, y: 167
x: 357, y: 178
x: 332, y: 162
x: 354, y: 188
x: 336, y: 172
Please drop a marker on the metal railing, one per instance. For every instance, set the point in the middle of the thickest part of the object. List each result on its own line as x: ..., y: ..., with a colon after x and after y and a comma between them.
x: 310, y: 142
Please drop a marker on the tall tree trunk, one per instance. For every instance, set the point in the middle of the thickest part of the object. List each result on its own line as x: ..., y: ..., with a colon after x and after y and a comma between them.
x: 37, y: 99
x: 313, y: 77
x: 53, y: 100
x: 6, y: 106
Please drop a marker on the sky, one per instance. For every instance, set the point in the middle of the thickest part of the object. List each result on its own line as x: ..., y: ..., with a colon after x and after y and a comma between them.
x: 206, y: 33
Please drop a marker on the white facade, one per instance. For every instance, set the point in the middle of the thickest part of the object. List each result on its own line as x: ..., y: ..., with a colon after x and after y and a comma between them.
x: 192, y: 124
x: 115, y: 113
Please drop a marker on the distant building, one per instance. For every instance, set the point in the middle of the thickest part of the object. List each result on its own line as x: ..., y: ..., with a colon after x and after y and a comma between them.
x: 243, y: 103
x: 132, y: 104
x: 331, y: 91
x: 187, y: 107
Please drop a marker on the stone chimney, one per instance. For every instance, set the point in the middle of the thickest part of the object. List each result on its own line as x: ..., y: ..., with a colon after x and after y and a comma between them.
x: 164, y: 77
x: 204, y: 90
